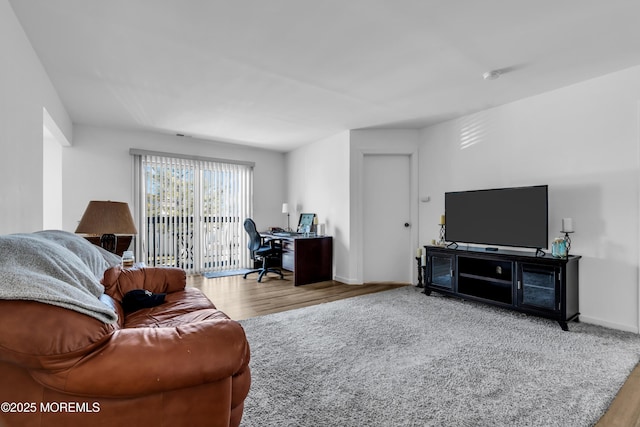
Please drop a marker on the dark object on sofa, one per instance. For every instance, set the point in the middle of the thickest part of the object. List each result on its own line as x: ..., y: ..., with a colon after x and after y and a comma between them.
x: 263, y: 251
x: 180, y: 363
x: 141, y: 298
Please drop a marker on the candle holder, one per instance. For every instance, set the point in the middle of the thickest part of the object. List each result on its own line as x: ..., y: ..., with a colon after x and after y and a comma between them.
x: 424, y: 274
x: 420, y: 276
x: 567, y: 240
x: 442, y: 231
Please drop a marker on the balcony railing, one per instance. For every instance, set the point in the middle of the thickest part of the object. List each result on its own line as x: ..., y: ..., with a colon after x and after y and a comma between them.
x: 211, y: 243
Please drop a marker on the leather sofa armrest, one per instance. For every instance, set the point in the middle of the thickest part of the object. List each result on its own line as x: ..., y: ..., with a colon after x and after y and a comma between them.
x: 141, y: 361
x: 118, y: 281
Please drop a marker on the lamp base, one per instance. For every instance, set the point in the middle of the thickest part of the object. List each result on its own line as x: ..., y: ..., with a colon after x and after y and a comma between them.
x: 108, y: 242
x: 123, y: 243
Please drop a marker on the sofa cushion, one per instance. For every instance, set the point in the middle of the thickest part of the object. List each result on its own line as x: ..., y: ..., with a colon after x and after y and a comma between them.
x: 181, y: 307
x: 43, y: 336
x: 118, y: 281
x: 140, y: 361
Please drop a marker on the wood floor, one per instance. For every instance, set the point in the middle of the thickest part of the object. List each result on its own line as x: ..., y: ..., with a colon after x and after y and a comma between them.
x: 244, y: 298
x: 625, y: 409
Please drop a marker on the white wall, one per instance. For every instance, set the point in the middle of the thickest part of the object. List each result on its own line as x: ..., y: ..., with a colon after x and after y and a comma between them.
x: 51, y: 182
x: 583, y: 142
x: 25, y: 89
x: 99, y: 167
x: 318, y: 182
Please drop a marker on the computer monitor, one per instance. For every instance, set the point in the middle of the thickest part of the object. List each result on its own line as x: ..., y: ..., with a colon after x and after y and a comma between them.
x: 306, y: 219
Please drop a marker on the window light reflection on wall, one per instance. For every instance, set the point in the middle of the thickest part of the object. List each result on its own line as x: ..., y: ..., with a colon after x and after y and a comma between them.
x: 473, y: 129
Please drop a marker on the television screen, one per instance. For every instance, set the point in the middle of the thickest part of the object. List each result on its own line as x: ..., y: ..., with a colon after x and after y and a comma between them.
x: 502, y: 217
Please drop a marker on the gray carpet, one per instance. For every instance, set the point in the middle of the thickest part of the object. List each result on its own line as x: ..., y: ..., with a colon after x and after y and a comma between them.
x: 400, y: 358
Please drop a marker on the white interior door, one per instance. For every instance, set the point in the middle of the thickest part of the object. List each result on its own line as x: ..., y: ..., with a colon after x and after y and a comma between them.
x: 387, y: 218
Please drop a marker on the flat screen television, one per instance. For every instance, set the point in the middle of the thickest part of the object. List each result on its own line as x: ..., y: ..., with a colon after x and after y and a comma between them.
x: 502, y: 217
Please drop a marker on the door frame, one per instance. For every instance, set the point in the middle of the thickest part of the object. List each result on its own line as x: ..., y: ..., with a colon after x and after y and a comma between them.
x: 358, y: 211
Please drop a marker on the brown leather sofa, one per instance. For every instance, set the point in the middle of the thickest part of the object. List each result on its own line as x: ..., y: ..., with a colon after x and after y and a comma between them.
x: 180, y: 363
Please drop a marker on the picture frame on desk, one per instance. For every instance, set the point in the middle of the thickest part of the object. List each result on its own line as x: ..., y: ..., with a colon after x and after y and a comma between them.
x: 306, y: 220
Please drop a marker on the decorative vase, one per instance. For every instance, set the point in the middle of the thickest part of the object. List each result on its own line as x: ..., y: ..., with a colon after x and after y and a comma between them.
x: 559, y: 247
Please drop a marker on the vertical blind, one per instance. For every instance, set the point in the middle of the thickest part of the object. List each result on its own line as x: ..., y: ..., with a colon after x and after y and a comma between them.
x: 191, y: 212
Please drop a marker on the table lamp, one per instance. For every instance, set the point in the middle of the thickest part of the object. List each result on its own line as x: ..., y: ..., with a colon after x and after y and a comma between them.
x: 285, y: 209
x: 107, y: 219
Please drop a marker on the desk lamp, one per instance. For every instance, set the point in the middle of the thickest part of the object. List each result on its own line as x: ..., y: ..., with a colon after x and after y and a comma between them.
x: 285, y: 209
x: 107, y: 219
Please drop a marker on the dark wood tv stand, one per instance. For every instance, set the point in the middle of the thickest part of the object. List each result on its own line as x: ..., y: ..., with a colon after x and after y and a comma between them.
x: 540, y: 285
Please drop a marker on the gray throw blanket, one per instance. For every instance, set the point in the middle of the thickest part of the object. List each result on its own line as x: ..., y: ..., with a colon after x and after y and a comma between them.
x: 94, y: 257
x: 36, y: 269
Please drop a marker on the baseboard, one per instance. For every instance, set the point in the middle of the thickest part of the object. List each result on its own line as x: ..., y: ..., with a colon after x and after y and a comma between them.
x: 606, y: 324
x: 347, y: 281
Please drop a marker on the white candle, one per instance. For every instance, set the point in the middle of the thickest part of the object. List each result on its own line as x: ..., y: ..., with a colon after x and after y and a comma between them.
x: 567, y: 225
x: 423, y: 260
x: 418, y: 252
x: 442, y: 220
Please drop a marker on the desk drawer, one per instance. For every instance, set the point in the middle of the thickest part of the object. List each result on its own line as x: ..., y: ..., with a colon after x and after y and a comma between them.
x: 288, y: 245
x: 288, y: 260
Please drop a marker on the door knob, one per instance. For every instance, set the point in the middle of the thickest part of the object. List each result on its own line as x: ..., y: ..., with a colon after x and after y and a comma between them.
x: 407, y: 225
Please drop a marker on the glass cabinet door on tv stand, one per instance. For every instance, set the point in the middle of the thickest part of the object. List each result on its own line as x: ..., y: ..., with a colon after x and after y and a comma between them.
x: 537, y: 286
x: 441, y: 268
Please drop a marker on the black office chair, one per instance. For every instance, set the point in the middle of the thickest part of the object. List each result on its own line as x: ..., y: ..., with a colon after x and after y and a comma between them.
x: 261, y: 250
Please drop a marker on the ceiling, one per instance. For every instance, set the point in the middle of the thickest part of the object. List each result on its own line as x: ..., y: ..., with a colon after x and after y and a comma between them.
x: 281, y: 73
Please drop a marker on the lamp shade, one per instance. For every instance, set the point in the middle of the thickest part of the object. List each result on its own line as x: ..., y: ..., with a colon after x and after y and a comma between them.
x: 106, y: 217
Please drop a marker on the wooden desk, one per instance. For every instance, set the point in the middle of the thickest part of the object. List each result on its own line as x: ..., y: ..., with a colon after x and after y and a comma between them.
x: 309, y: 258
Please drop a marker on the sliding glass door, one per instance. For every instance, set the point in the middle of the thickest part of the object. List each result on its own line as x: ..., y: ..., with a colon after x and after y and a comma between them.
x: 191, y: 212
